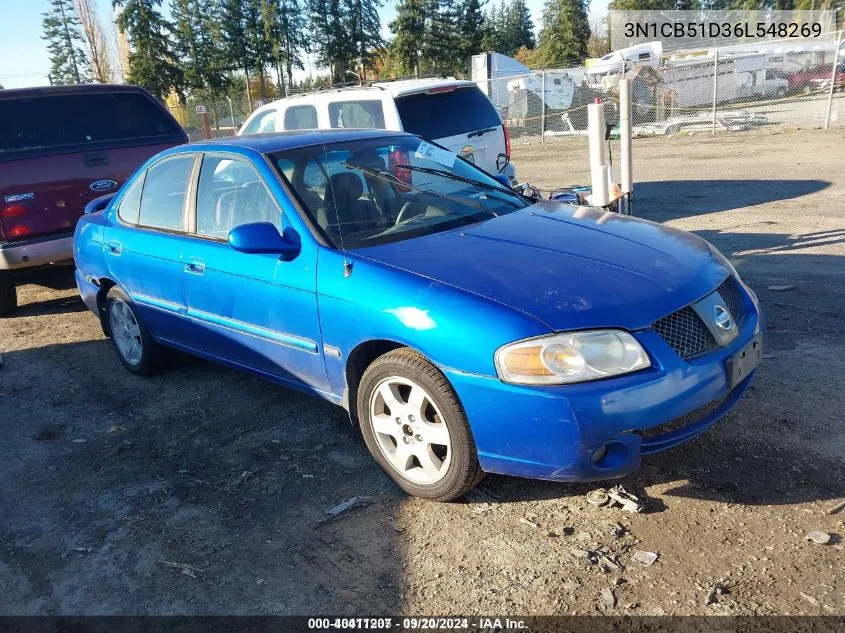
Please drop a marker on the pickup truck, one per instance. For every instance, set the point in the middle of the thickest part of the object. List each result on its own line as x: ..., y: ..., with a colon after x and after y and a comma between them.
x: 61, y: 147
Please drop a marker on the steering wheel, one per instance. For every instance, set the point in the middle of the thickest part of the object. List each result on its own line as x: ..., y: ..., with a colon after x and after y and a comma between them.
x: 410, y: 209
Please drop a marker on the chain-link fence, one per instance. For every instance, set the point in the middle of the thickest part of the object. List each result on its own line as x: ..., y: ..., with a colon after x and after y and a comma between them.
x: 795, y: 84
x: 223, y: 113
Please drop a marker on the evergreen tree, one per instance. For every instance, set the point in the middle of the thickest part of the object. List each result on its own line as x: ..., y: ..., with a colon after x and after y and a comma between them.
x: 364, y: 27
x: 151, y: 62
x: 331, y: 39
x: 196, y: 39
x: 470, y: 28
x: 236, y: 51
x: 521, y: 26
x: 62, y: 32
x: 408, y: 29
x: 285, y: 24
x: 566, y: 31
x: 440, y: 44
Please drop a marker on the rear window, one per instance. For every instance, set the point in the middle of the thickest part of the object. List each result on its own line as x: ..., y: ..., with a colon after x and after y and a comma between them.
x: 441, y: 114
x: 357, y: 114
x: 301, y: 118
x: 64, y: 122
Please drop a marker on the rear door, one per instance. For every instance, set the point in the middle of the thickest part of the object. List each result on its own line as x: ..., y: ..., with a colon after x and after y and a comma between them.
x: 58, y: 151
x: 143, y: 249
x: 457, y: 117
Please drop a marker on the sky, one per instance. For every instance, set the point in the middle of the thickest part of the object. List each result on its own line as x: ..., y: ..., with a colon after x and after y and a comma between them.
x: 23, y: 56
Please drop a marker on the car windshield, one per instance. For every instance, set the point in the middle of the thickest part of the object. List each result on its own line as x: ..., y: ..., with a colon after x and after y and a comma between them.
x: 373, y: 191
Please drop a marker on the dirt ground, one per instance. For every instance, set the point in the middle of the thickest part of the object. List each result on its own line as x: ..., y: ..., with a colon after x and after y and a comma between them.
x: 202, y: 490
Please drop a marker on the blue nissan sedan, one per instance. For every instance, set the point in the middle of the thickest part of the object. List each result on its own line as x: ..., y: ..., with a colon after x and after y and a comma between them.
x: 465, y: 328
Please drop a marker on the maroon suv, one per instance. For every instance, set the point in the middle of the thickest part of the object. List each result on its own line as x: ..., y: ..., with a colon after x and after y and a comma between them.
x: 61, y: 147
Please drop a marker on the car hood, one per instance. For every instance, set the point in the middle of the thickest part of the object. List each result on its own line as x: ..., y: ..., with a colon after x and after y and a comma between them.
x: 569, y: 267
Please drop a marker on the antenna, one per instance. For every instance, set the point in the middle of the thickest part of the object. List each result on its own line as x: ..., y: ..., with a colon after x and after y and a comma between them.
x: 347, y: 265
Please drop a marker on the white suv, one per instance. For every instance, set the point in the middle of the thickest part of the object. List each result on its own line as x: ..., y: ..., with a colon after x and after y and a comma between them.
x: 453, y: 113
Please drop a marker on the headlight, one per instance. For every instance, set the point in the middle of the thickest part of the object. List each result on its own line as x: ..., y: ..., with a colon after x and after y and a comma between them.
x: 574, y: 357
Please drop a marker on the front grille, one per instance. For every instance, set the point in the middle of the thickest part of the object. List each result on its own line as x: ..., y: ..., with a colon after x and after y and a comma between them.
x: 685, y: 333
x: 731, y: 295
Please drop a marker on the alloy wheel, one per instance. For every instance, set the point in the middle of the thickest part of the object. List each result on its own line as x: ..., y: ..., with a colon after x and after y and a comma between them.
x: 126, y: 332
x: 410, y: 430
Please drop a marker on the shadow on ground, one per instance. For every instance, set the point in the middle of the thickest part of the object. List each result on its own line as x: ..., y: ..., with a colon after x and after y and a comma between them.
x: 670, y: 199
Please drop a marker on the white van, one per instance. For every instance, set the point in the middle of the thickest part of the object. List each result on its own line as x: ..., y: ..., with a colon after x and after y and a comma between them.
x: 453, y: 113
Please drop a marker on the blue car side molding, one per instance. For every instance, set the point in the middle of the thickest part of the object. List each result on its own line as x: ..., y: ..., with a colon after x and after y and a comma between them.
x: 253, y: 330
x: 159, y: 304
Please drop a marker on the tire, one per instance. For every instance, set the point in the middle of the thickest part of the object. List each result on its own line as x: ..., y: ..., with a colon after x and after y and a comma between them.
x: 439, y: 434
x: 8, y: 295
x: 130, y: 339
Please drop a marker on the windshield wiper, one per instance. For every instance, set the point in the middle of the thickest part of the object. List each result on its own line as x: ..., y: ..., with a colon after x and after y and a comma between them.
x: 470, y: 181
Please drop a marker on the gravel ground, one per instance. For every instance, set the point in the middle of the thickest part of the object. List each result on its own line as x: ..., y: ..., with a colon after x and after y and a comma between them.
x: 202, y: 490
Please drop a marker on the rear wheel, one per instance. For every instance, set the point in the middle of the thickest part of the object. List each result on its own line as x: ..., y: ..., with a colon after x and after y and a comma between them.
x: 415, y: 427
x: 8, y: 295
x: 135, y: 348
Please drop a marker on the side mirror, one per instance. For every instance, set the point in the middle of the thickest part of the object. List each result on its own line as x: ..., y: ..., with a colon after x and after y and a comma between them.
x: 264, y: 237
x: 503, y: 180
x: 502, y: 161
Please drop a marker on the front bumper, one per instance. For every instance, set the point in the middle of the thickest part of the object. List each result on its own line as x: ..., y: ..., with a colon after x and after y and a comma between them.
x: 39, y: 251
x: 552, y: 432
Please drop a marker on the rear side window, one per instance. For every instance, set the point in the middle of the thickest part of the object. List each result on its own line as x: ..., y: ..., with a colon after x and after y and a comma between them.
x: 65, y: 122
x: 441, y: 114
x: 301, y: 118
x: 357, y: 114
x: 164, y: 193
x: 130, y: 206
x: 262, y: 123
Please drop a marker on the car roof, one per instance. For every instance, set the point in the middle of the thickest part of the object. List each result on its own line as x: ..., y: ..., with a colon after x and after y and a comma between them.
x: 46, y: 91
x: 394, y: 88
x: 266, y: 143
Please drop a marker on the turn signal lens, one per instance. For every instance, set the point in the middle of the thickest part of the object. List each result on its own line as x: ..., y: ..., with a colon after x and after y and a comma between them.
x: 568, y: 358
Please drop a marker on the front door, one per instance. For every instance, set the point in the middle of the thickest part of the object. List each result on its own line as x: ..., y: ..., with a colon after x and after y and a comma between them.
x: 251, y: 310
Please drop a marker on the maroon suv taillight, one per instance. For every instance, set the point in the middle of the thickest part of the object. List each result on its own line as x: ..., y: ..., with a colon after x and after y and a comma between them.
x: 399, y: 157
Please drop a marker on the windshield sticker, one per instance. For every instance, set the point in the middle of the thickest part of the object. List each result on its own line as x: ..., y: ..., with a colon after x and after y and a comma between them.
x: 438, y: 155
x: 20, y: 196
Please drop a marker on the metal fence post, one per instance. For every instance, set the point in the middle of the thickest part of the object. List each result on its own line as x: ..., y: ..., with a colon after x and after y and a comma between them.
x: 832, y: 79
x: 543, y: 112
x: 715, y: 84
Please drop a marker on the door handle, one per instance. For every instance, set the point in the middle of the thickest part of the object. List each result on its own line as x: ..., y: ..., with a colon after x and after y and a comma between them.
x: 195, y: 266
x: 114, y: 248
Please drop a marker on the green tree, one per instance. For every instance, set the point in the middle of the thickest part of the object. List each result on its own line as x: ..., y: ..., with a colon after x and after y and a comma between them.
x: 364, y: 27
x: 470, y: 28
x: 408, y: 29
x: 566, y: 31
x: 236, y: 53
x: 63, y: 34
x: 331, y: 39
x: 285, y: 26
x: 440, y: 43
x: 151, y: 62
x: 196, y: 45
x: 522, y: 26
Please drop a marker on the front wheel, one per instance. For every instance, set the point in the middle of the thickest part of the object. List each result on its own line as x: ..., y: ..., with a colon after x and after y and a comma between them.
x: 135, y: 348
x: 415, y: 427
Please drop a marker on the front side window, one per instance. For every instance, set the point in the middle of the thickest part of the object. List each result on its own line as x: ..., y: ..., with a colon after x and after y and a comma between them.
x: 302, y: 117
x: 368, y: 192
x: 130, y: 206
x: 357, y: 114
x: 163, y: 197
x: 262, y: 123
x: 230, y: 193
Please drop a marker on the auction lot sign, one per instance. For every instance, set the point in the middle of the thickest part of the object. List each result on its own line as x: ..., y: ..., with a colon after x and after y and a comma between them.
x: 679, y: 30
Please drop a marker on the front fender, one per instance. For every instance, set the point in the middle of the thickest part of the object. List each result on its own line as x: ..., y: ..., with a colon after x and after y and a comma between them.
x: 453, y: 328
